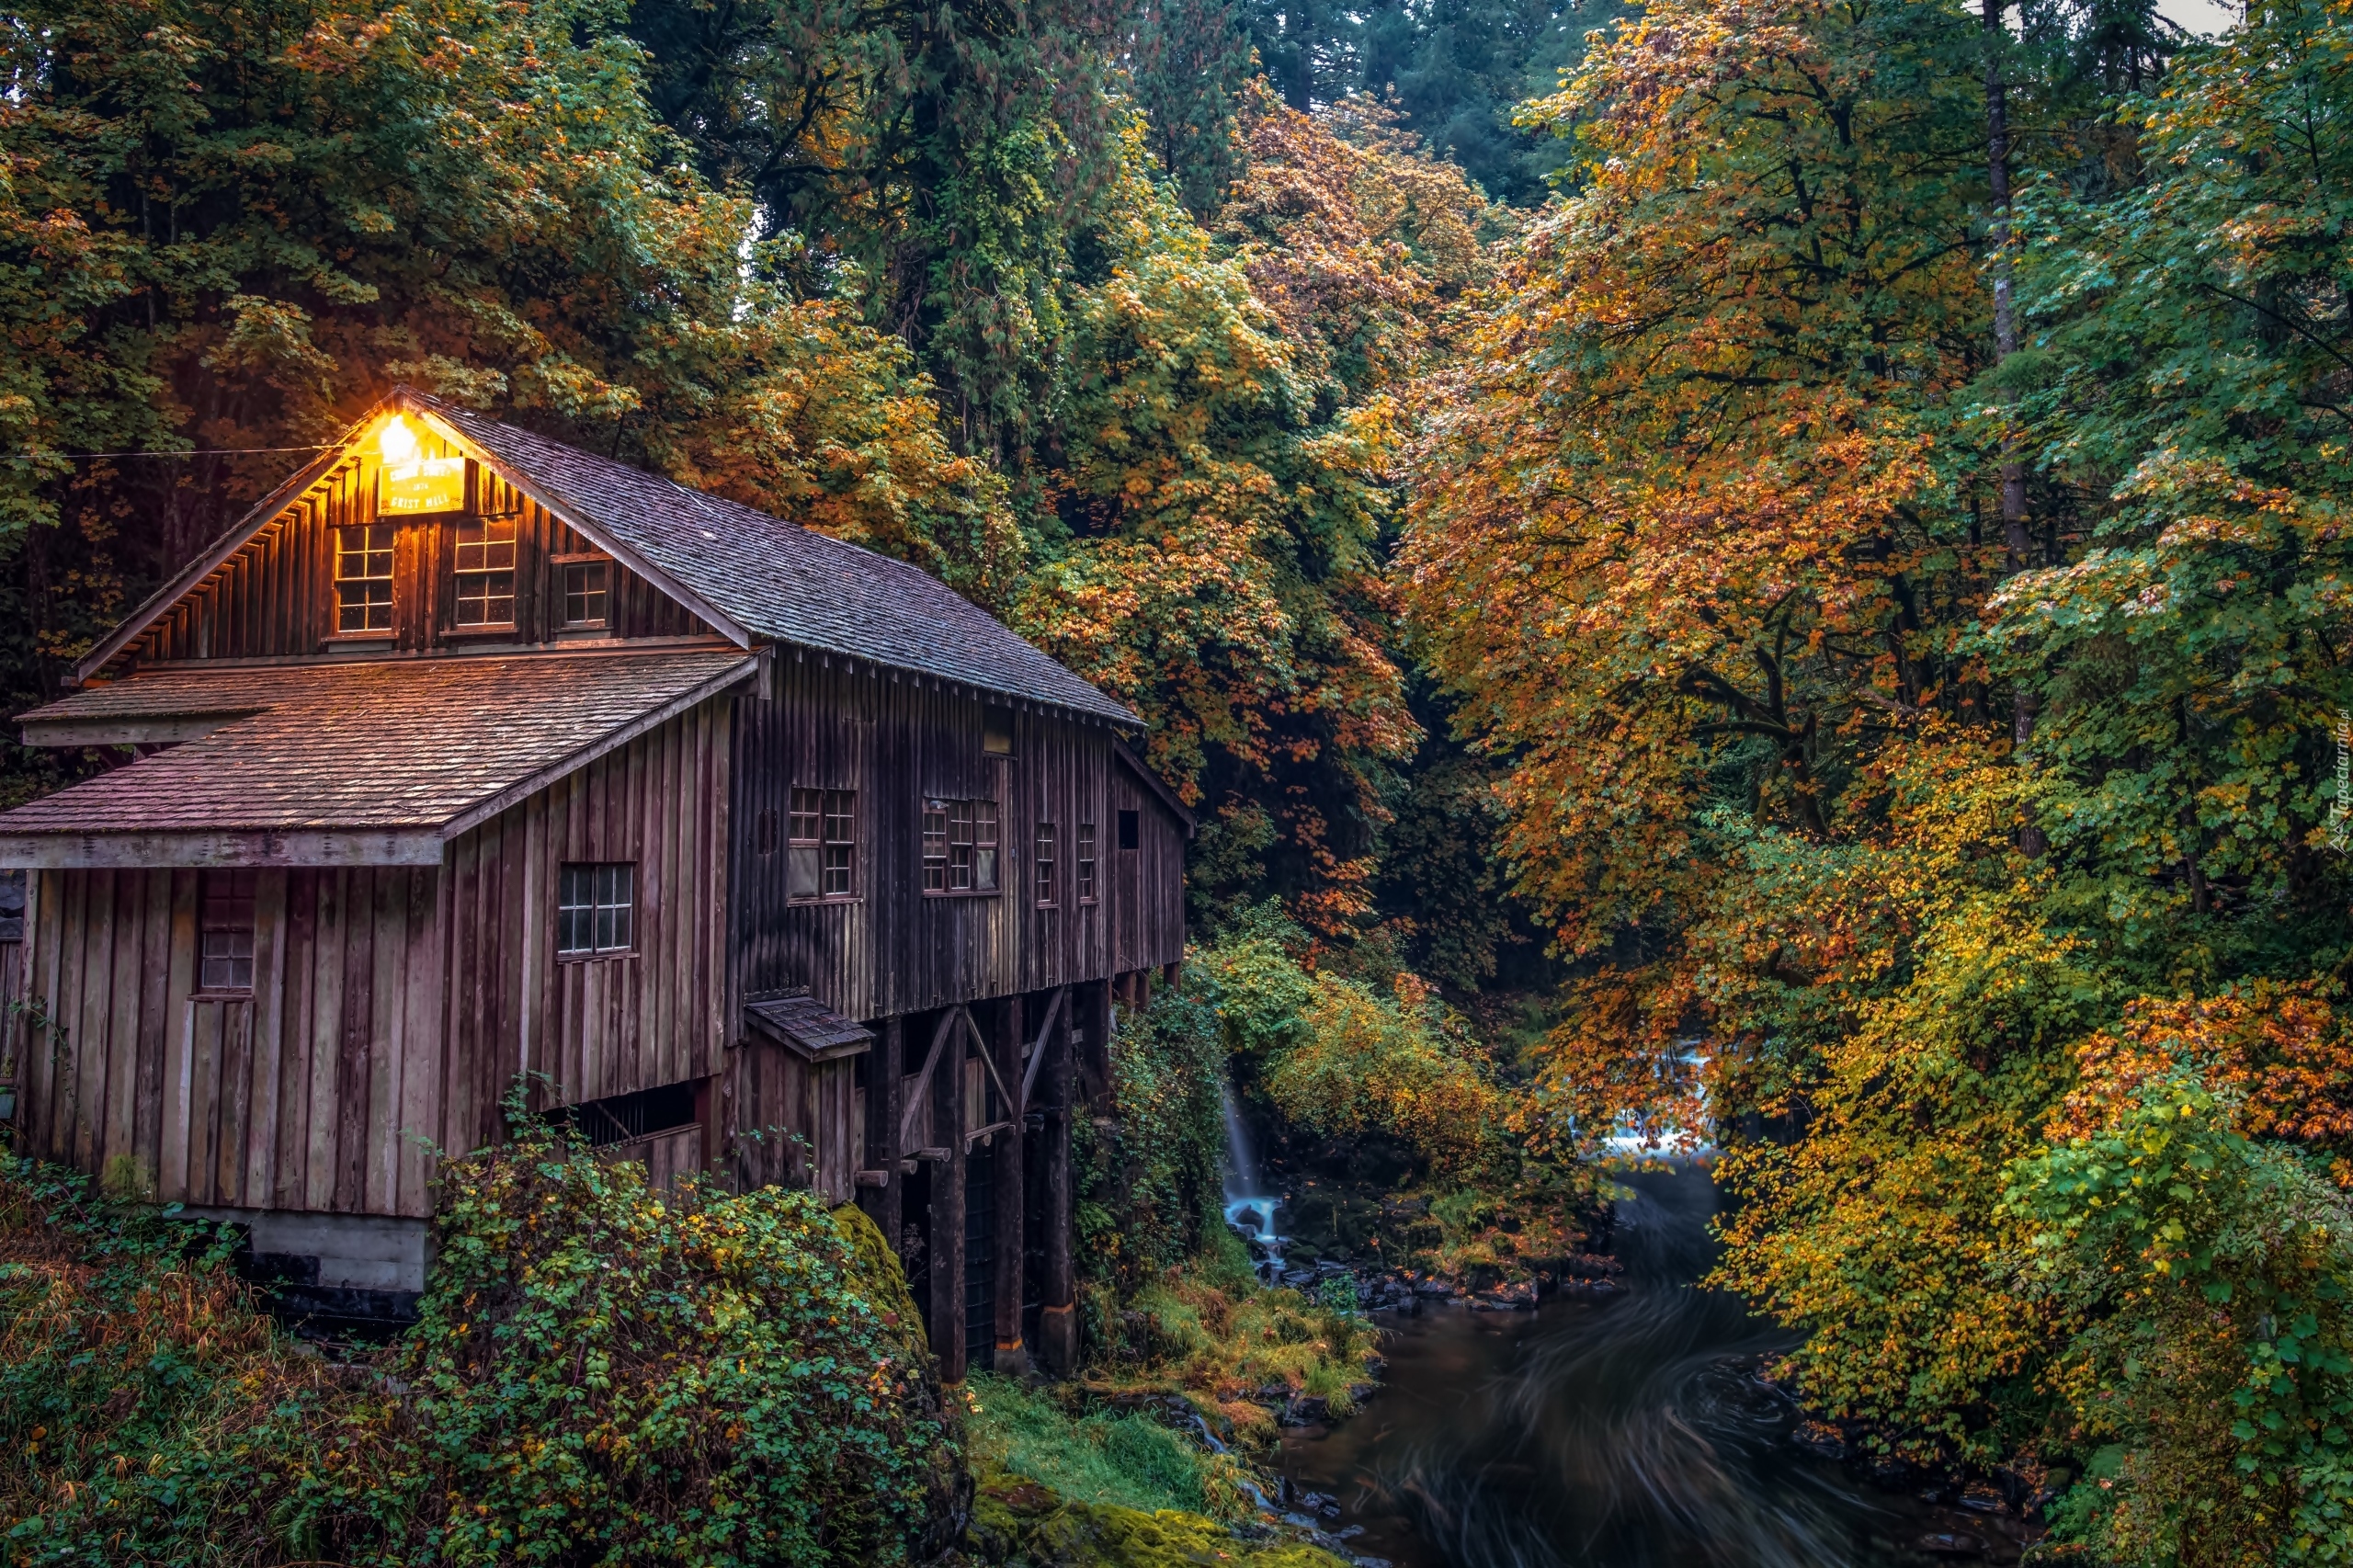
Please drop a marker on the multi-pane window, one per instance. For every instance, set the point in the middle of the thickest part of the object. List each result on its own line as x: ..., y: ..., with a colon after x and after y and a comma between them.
x: 486, y: 571
x: 823, y: 844
x: 586, y: 593
x: 225, y: 930
x: 960, y: 845
x: 1085, y: 862
x: 595, y: 909
x: 363, y: 577
x: 1045, y: 863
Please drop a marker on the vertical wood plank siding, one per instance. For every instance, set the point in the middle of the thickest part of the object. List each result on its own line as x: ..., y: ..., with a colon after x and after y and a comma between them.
x: 301, y: 1094
x: 892, y: 950
x: 603, y: 1026
x: 275, y: 598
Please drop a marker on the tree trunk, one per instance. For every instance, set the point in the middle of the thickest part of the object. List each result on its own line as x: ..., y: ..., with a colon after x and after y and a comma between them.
x: 2017, y: 543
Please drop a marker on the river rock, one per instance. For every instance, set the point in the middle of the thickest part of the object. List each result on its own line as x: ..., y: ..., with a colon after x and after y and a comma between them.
x: 1951, y: 1543
x: 1306, y: 1410
x: 1980, y: 1497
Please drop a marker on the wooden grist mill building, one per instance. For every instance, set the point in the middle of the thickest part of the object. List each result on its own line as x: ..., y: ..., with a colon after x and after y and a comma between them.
x: 467, y: 757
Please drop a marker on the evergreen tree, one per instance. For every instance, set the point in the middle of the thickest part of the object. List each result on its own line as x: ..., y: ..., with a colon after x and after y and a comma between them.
x: 1189, y: 63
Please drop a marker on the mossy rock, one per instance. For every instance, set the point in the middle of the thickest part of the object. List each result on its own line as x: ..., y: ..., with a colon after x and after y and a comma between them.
x: 876, y: 1274
x: 1018, y: 1524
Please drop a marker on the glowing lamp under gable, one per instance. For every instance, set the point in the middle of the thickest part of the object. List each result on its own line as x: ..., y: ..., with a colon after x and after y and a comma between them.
x: 412, y: 482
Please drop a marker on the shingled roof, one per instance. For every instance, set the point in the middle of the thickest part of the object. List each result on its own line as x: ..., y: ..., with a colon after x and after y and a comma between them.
x: 764, y: 576
x: 381, y: 760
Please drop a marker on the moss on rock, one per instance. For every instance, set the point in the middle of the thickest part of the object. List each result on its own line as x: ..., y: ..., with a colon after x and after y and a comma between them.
x: 1017, y: 1522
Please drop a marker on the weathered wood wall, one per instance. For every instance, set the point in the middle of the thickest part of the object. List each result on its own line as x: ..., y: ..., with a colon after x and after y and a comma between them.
x: 275, y: 598
x: 796, y: 1122
x: 602, y: 1025
x: 301, y: 1094
x: 387, y: 1002
x: 892, y: 950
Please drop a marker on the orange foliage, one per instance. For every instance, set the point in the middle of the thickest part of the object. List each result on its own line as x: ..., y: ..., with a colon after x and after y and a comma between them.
x: 2281, y: 1051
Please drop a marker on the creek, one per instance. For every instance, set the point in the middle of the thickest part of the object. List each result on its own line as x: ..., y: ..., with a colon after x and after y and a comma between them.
x: 1627, y: 1429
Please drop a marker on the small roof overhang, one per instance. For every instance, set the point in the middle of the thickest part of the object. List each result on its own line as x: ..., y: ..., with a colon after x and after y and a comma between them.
x: 807, y: 1027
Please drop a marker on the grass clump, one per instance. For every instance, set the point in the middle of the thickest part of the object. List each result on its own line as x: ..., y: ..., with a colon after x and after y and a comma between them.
x: 1017, y: 1522
x: 1115, y: 1457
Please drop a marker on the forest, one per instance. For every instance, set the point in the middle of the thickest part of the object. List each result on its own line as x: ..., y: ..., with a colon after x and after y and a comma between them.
x: 1764, y: 575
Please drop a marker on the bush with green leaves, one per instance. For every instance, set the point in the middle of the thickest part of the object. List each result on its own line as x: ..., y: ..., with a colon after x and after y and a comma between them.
x: 2207, y: 1280
x: 600, y: 1374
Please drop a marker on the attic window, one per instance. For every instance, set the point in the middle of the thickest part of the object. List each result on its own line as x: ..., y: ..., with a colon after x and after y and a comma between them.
x: 486, y: 572
x: 587, y: 593
x: 1129, y: 834
x: 996, y: 733
x: 363, y: 577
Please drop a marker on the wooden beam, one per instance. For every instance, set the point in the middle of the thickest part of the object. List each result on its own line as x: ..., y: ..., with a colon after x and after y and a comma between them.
x: 1058, y: 1317
x: 884, y: 1114
x: 923, y: 1080
x: 1012, y: 1359
x: 948, y: 1213
x: 988, y: 1056
x: 97, y: 851
x: 1038, y: 1052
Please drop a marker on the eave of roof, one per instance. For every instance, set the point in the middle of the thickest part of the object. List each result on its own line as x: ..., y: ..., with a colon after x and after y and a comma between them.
x: 1159, y: 787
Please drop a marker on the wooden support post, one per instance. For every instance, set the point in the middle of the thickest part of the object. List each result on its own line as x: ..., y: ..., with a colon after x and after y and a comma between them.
x: 712, y: 1131
x: 1058, y: 1319
x: 886, y: 1067
x: 1094, y: 1068
x: 948, y: 1215
x: 1012, y: 1359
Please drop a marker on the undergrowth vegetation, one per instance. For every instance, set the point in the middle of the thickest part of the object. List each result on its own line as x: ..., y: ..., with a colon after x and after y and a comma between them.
x: 1102, y: 1456
x: 600, y: 1374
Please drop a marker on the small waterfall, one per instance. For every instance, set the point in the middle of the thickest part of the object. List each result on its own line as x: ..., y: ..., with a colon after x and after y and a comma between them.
x: 1248, y: 1207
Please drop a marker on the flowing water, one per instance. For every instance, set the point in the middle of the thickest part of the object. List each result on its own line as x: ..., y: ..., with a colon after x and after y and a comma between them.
x: 1629, y: 1430
x: 1249, y: 1207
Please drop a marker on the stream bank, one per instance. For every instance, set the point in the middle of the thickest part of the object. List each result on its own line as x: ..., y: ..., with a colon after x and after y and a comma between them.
x: 1633, y: 1428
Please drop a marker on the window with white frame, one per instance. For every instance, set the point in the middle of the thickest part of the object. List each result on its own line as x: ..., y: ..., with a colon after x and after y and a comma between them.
x: 363, y: 577
x: 486, y: 571
x: 821, y: 845
x: 595, y: 909
x: 960, y: 847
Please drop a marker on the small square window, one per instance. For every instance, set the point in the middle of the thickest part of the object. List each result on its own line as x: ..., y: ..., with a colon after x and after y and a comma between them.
x: 1044, y: 859
x: 586, y: 593
x: 1085, y: 862
x: 363, y: 577
x: 225, y: 930
x: 596, y: 909
x: 822, y: 844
